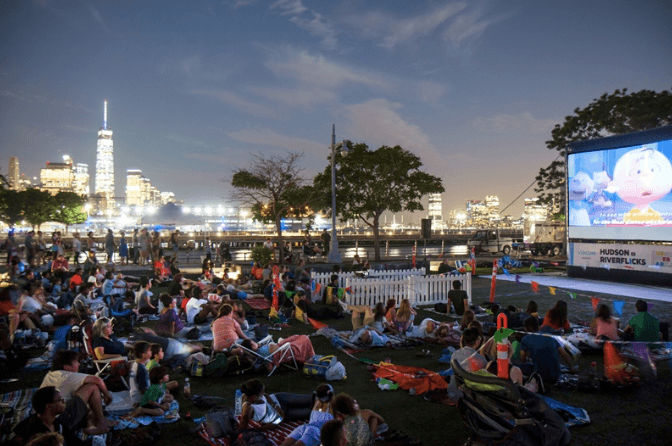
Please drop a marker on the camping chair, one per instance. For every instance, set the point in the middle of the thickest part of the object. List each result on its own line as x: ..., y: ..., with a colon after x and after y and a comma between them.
x: 501, y: 412
x: 103, y: 366
x: 283, y: 355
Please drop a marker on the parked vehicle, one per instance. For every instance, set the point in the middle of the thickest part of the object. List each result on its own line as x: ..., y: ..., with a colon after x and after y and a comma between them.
x: 491, y: 241
x: 545, y: 237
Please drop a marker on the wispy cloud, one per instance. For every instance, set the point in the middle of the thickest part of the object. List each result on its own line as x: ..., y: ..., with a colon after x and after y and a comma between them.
x: 241, y: 3
x: 470, y: 25
x: 239, y: 102
x: 430, y: 91
x: 289, y: 7
x: 318, y: 26
x: 295, y: 97
x: 269, y: 137
x: 95, y: 14
x: 503, y: 123
x: 423, y: 24
x: 317, y: 70
x: 379, y: 122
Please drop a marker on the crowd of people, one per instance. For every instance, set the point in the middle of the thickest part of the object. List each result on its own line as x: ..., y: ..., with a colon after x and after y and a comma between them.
x: 49, y: 294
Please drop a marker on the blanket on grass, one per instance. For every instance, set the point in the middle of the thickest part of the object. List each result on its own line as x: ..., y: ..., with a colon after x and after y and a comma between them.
x: 345, y: 340
x: 276, y: 436
x: 20, y: 401
x: 259, y: 303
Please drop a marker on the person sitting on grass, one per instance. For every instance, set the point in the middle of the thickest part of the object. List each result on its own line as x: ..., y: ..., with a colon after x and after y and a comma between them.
x: 309, y: 311
x: 544, y: 352
x: 643, y: 327
x: 604, y: 327
x: 82, y: 388
x: 143, y: 300
x: 322, y: 411
x: 155, y: 401
x: 138, y: 376
x: 458, y: 298
x: 556, y: 318
x: 155, y: 361
x: 361, y: 425
x: 467, y: 356
x: 51, y: 416
x: 266, y: 411
x: 225, y: 329
x: 198, y: 309
x: 404, y: 317
x: 170, y: 325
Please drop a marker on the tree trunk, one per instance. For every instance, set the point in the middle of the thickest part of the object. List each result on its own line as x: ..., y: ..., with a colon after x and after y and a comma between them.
x: 281, y: 243
x: 376, y: 239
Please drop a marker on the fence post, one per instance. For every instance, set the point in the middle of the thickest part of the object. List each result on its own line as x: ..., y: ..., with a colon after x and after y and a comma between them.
x: 387, y: 248
x: 410, y: 289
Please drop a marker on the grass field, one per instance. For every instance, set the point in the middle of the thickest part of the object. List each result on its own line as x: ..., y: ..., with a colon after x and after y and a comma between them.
x: 634, y: 416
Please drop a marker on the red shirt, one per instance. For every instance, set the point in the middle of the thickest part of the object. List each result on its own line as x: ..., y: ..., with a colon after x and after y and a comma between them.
x: 75, y: 281
x: 6, y: 306
x: 59, y: 264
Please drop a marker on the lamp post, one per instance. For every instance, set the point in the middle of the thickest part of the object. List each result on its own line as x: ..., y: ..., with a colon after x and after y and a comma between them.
x: 334, y: 254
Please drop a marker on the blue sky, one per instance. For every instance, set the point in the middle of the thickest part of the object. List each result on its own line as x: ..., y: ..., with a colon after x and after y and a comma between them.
x: 196, y: 87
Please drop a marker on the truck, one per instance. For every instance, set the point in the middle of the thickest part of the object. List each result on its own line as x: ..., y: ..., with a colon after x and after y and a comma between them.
x: 491, y: 241
x: 544, y: 237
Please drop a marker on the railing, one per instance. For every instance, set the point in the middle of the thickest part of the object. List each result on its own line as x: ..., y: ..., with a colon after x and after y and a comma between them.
x: 325, y: 278
x: 420, y: 290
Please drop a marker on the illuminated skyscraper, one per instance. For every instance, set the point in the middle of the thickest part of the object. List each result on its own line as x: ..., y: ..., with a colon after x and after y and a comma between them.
x: 105, y: 166
x: 14, y: 174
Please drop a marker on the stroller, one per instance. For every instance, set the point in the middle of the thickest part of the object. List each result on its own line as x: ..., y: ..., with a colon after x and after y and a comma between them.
x: 503, y: 413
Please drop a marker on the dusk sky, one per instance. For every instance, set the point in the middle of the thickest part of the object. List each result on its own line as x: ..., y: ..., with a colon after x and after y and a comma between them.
x: 195, y: 87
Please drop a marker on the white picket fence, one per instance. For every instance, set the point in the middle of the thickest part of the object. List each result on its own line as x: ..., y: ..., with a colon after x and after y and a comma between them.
x: 324, y: 278
x: 420, y: 290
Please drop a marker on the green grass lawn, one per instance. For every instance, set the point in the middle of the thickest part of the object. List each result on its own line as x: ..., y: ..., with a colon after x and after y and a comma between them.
x: 634, y: 416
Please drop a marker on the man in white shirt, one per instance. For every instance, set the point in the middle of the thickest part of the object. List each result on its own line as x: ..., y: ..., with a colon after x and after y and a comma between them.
x: 198, y: 309
x: 65, y: 377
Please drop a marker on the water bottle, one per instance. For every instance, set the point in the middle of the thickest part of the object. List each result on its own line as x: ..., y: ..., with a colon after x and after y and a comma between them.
x: 187, y: 388
x: 239, y: 402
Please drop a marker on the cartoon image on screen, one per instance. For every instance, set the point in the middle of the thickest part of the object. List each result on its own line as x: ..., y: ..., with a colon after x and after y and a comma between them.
x: 622, y: 187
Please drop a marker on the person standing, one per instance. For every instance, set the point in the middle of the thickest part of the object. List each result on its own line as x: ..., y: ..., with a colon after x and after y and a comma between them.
x: 326, y: 240
x: 76, y: 247
x: 30, y: 248
x: 136, y: 246
x: 110, y: 245
x: 268, y: 244
x: 123, y: 249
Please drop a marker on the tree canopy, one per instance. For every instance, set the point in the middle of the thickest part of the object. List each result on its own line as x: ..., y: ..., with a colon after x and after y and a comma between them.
x: 611, y: 114
x: 36, y: 206
x: 369, y: 183
x: 274, y: 189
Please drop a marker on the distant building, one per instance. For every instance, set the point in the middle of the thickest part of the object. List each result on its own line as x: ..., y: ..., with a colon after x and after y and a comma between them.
x: 476, y: 212
x: 534, y: 210
x: 57, y: 177
x: 492, y: 208
x: 81, y: 181
x: 140, y: 192
x: 435, y: 212
x: 105, y: 166
x: 167, y: 197
x: 14, y: 174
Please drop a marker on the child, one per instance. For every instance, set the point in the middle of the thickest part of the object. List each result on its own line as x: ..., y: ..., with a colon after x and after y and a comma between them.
x: 56, y: 288
x: 138, y: 375
x: 604, y: 327
x: 157, y: 357
x: 467, y: 356
x: 155, y: 401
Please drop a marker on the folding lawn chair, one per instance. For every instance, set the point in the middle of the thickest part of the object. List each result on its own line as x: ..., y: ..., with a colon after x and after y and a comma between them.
x: 283, y: 355
x: 103, y: 366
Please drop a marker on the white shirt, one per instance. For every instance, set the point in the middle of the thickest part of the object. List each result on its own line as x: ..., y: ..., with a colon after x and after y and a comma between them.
x: 68, y: 383
x: 76, y: 244
x: 193, y: 308
x: 268, y: 244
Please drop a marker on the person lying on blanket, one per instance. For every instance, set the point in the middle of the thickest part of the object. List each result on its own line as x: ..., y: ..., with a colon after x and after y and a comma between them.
x: 272, y: 410
x: 368, y: 336
x: 309, y: 312
x: 300, y: 344
x: 322, y: 411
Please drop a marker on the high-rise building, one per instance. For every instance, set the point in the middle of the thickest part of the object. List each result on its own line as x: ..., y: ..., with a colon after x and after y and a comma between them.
x: 57, y: 177
x: 534, y: 210
x: 14, y: 174
x: 492, y: 207
x: 105, y: 166
x: 434, y: 209
x: 81, y: 181
x: 133, y: 188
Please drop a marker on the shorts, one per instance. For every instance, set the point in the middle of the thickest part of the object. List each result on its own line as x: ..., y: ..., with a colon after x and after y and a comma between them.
x: 74, y: 414
x: 242, y: 295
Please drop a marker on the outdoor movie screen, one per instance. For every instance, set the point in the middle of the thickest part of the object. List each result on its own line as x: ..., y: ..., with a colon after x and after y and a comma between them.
x: 622, y: 193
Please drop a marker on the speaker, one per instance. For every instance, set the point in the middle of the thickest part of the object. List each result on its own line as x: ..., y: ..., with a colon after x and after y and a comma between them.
x: 426, y: 228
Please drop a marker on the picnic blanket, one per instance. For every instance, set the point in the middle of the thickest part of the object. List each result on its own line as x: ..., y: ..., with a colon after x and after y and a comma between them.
x: 20, y: 401
x: 38, y: 363
x: 171, y: 416
x: 573, y: 416
x: 258, y: 303
x: 408, y: 377
x: 276, y: 436
x: 341, y: 340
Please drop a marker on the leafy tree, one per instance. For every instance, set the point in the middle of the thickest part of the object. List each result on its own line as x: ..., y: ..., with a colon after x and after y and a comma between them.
x: 610, y: 114
x: 369, y: 183
x: 38, y: 206
x: 68, y: 209
x: 11, y: 207
x: 274, y: 189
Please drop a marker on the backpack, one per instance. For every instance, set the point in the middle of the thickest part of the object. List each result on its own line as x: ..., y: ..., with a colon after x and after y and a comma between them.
x: 217, y: 366
x: 238, y: 365
x: 220, y: 422
x: 317, y: 366
x: 441, y: 307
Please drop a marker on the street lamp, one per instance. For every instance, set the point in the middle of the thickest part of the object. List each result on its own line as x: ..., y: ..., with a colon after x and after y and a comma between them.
x: 334, y: 254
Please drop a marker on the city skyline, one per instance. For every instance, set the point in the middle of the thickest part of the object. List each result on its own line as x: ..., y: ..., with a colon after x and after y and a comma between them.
x: 197, y: 88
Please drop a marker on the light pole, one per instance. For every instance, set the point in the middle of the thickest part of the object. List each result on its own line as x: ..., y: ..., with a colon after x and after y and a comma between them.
x: 334, y: 254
